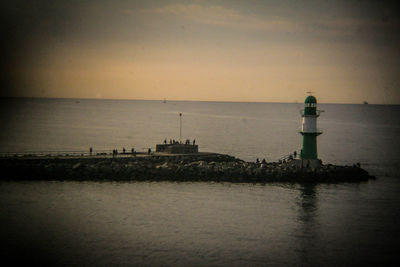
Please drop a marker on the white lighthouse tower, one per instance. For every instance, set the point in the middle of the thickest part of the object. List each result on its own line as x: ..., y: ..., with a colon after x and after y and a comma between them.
x: 309, y: 131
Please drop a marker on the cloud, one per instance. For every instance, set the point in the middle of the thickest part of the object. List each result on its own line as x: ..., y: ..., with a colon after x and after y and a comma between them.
x: 221, y: 16
x: 338, y: 27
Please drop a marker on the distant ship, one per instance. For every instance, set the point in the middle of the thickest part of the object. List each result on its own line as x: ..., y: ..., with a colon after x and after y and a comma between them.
x: 164, y: 101
x: 365, y: 103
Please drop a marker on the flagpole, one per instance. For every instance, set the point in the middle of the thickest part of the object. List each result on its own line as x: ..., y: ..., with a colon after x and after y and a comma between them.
x: 180, y: 128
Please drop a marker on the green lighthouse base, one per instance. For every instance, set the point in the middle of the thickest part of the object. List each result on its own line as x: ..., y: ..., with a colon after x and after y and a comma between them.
x: 309, y: 148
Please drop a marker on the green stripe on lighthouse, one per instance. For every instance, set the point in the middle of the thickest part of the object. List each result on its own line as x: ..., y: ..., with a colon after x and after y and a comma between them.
x: 309, y: 149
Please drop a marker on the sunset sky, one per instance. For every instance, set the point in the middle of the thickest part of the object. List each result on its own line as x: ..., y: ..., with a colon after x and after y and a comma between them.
x: 267, y: 51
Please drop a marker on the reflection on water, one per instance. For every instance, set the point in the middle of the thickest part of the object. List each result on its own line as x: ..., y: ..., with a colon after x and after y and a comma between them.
x: 308, y: 203
x: 188, y: 224
x: 307, y: 217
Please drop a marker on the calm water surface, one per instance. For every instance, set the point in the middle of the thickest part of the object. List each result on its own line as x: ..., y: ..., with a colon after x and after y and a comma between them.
x: 92, y: 223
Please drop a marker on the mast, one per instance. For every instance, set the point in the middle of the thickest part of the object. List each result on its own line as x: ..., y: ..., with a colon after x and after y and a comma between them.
x: 180, y: 128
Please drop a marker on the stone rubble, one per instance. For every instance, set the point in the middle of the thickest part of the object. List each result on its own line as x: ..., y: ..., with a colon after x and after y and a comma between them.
x: 194, y: 167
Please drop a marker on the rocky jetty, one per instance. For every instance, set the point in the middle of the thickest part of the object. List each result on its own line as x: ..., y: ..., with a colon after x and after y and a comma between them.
x: 194, y: 167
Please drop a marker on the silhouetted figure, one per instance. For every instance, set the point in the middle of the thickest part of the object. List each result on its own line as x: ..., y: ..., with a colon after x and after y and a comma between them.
x: 194, y: 141
x: 91, y: 150
x: 263, y: 161
x: 123, y: 150
x: 295, y: 154
x: 257, y: 160
x: 170, y: 141
x: 165, y: 141
x: 149, y: 151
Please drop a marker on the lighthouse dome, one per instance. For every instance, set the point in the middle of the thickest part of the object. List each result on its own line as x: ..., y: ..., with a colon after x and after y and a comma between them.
x: 310, y: 99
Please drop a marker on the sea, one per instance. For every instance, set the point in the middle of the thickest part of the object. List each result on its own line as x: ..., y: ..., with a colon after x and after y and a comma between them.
x: 201, y: 223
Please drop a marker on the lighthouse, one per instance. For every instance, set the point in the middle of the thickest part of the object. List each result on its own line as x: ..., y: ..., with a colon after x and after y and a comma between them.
x: 309, y: 131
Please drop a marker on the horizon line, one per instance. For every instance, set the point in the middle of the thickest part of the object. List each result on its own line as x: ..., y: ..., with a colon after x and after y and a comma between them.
x: 187, y: 100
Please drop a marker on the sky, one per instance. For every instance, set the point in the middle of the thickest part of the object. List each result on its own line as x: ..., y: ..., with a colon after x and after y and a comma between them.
x: 250, y: 51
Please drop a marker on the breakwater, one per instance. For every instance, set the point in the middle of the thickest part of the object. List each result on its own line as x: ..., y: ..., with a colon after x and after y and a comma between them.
x: 157, y: 167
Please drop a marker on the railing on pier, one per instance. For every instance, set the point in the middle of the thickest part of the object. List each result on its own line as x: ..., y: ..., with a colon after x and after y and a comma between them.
x: 52, y: 153
x: 318, y: 112
x: 318, y: 130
